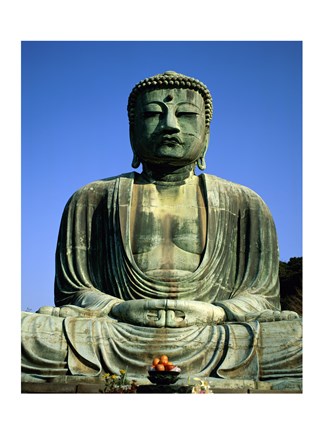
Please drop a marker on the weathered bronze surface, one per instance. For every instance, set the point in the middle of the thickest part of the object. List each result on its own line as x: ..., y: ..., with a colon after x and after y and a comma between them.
x: 165, y: 261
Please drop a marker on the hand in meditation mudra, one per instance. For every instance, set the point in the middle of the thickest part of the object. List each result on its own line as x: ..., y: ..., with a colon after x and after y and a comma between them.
x: 165, y: 261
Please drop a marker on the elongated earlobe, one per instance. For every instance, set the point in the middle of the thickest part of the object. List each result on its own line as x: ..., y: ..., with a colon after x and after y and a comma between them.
x: 201, y: 163
x: 135, y: 162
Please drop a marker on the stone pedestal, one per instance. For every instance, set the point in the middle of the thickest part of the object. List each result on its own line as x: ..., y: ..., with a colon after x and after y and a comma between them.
x: 70, y: 384
x: 164, y: 389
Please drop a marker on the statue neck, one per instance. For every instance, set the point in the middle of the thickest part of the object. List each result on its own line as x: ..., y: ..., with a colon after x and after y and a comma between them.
x: 167, y: 175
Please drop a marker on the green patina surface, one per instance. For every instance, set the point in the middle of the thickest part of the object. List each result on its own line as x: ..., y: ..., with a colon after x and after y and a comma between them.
x: 166, y: 261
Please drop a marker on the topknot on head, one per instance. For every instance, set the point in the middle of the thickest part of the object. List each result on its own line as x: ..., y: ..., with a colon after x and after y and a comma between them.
x: 170, y: 79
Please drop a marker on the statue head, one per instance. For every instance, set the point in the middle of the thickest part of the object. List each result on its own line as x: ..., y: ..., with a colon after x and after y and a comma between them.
x: 169, y: 116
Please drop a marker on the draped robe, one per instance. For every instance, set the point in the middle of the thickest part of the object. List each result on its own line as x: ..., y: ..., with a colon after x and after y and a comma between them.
x: 95, y: 269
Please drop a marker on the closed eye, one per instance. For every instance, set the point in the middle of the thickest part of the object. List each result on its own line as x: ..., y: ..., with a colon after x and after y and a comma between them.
x: 148, y: 114
x: 187, y: 114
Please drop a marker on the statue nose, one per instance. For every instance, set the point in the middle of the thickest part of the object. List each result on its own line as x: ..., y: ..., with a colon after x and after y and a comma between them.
x: 171, y: 122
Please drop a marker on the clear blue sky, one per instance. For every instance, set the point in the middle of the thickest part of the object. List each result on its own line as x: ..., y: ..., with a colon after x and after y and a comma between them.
x: 75, y: 130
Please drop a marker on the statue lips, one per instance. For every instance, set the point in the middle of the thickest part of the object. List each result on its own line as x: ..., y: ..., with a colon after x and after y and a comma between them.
x: 170, y: 140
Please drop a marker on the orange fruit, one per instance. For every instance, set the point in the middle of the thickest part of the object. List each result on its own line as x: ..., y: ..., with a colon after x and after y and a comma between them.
x: 156, y: 360
x: 164, y: 359
x: 169, y: 366
x: 160, y: 367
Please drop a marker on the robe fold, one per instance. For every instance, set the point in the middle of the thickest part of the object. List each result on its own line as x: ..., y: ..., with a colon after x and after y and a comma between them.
x: 95, y: 269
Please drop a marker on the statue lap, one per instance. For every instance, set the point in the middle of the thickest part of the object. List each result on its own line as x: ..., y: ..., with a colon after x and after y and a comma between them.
x: 90, y: 347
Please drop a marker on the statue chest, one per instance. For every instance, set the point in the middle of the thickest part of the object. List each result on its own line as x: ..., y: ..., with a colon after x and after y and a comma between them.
x: 168, y: 228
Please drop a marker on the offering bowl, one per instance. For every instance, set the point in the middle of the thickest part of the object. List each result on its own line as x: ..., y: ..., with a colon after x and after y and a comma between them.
x: 163, y: 377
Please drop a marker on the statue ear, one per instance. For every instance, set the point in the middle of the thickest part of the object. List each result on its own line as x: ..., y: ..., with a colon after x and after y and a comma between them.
x: 132, y: 136
x: 136, y: 161
x: 201, y: 162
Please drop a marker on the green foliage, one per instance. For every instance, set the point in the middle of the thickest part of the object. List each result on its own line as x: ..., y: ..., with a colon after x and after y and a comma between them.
x: 291, y: 284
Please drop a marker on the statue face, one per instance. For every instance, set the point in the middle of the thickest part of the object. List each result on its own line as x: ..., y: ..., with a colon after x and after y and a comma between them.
x: 170, y: 127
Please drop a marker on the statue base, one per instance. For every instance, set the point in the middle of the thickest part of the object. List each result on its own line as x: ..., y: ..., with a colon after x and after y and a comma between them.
x: 76, y: 384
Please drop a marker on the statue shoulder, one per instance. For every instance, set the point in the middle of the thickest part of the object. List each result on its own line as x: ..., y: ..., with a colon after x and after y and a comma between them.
x: 241, y: 192
x: 94, y: 191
